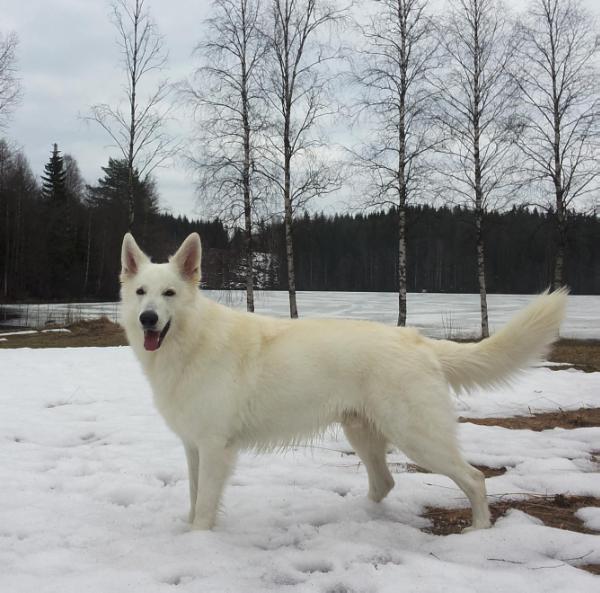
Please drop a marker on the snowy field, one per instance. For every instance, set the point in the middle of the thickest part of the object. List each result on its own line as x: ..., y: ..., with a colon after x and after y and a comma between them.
x: 437, y: 315
x: 94, y: 496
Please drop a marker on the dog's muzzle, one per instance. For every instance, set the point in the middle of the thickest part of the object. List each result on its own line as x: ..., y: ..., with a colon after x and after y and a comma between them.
x: 152, y: 337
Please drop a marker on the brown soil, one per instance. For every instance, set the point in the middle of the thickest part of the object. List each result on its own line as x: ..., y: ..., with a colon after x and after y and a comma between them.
x: 562, y: 419
x: 96, y: 332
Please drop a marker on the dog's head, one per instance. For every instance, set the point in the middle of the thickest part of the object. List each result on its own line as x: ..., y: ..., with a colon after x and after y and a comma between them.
x: 151, y: 294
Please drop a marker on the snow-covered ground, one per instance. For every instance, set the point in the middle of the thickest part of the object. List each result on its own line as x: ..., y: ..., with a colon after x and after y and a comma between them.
x: 437, y: 315
x: 94, y: 497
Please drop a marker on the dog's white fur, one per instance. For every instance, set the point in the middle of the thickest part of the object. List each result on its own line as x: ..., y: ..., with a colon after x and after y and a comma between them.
x: 225, y: 380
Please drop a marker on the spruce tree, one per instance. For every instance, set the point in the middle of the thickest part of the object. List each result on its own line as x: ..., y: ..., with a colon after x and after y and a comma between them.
x: 62, y: 249
x: 54, y: 187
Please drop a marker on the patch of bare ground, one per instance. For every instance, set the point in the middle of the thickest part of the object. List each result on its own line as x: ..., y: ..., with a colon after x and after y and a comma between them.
x: 554, y: 511
x: 488, y: 472
x: 583, y: 417
x: 583, y: 355
x: 95, y: 332
x: 558, y: 511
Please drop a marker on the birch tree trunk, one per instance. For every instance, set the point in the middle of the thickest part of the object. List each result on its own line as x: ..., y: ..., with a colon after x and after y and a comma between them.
x: 485, y: 332
x: 294, y: 89
x: 289, y: 243
x: 392, y: 71
x: 246, y: 170
x: 402, y: 266
x: 226, y: 87
x: 479, y: 198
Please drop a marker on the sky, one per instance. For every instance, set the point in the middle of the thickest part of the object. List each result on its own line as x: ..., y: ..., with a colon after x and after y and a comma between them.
x: 68, y: 60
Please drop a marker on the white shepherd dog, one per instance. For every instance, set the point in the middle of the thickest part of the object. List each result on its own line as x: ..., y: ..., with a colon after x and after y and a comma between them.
x: 226, y: 380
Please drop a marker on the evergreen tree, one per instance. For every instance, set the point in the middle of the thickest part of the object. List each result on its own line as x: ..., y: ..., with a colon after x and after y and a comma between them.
x: 63, y: 246
x: 54, y: 187
x: 109, y: 218
x: 113, y: 192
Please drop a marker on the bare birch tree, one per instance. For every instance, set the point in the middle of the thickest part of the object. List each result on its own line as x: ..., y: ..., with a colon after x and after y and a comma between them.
x: 225, y: 96
x: 137, y: 128
x: 296, y: 87
x: 476, y: 107
x: 559, y: 79
x: 393, y: 64
x: 10, y: 86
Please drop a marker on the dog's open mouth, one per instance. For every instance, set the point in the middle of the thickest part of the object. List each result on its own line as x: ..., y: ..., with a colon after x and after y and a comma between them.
x: 153, y: 339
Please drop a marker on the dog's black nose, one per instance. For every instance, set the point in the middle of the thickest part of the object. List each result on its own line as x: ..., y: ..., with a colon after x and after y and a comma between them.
x: 148, y: 319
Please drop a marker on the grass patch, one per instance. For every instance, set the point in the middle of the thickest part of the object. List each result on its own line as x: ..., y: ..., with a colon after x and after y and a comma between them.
x: 581, y: 418
x: 95, y: 332
x: 583, y: 355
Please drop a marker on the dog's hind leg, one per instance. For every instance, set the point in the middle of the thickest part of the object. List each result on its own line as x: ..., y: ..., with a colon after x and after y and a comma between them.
x: 423, y: 425
x: 370, y: 445
x: 469, y: 479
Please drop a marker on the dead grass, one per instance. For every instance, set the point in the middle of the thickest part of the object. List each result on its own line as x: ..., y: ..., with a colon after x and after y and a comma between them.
x: 556, y: 511
x: 488, y: 472
x: 95, y: 332
x: 581, y: 354
x: 583, y: 417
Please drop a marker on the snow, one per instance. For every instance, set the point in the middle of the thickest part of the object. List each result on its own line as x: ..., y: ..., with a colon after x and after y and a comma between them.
x: 539, y: 390
x: 590, y: 517
x: 19, y: 333
x: 437, y: 315
x: 94, y: 496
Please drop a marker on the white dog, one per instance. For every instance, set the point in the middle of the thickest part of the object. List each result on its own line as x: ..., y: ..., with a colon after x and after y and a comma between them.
x: 225, y: 380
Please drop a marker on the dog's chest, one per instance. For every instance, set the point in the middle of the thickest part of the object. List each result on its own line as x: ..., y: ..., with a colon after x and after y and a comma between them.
x: 191, y: 406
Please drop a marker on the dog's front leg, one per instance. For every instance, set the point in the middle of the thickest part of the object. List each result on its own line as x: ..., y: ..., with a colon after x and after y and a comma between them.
x: 215, y: 463
x: 191, y: 454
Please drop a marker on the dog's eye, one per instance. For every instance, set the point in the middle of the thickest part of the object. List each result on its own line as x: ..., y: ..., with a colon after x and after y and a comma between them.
x: 169, y: 292
x: 140, y: 291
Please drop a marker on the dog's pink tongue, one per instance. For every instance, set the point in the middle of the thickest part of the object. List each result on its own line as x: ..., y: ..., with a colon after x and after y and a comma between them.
x: 151, y: 340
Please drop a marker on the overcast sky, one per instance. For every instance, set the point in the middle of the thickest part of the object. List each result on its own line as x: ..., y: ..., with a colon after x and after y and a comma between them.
x: 69, y: 60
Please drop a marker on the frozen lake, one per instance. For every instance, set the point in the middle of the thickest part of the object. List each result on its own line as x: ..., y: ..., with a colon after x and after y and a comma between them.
x: 436, y: 315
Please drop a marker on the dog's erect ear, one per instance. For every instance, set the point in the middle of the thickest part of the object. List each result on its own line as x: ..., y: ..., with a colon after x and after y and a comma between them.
x: 132, y: 257
x: 187, y: 259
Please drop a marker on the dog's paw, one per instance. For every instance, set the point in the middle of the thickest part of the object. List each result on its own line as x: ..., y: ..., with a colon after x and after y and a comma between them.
x: 200, y: 524
x: 475, y: 528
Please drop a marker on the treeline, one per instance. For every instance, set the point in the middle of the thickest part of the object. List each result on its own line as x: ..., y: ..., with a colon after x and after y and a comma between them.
x: 62, y: 240
x: 358, y: 252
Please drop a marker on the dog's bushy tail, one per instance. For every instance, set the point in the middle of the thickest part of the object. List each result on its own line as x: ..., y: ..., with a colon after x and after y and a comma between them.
x: 493, y: 361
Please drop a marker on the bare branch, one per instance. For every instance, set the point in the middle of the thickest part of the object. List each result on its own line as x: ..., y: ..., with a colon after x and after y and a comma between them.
x: 557, y: 73
x: 137, y: 129
x: 10, y: 86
